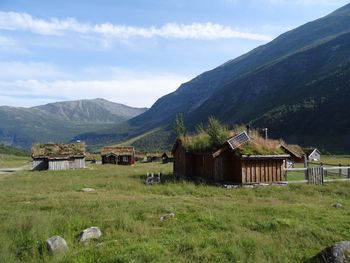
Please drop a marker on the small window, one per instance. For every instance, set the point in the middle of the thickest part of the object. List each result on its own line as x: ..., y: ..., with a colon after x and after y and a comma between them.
x: 125, y: 158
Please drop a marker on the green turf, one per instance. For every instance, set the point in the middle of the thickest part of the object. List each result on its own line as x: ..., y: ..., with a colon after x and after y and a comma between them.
x: 212, y: 224
x: 10, y: 161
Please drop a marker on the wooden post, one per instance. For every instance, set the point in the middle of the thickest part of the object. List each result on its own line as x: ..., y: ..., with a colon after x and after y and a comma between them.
x: 322, y: 175
x: 348, y: 171
x: 306, y: 166
x: 340, y: 170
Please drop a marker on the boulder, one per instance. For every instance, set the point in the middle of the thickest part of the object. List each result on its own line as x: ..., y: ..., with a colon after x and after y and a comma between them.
x: 167, y: 216
x: 88, y: 190
x: 90, y: 233
x: 338, y: 205
x: 338, y: 253
x: 56, y: 244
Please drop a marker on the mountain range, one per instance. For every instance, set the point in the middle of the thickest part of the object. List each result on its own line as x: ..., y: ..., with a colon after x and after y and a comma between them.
x: 60, y: 121
x: 296, y: 85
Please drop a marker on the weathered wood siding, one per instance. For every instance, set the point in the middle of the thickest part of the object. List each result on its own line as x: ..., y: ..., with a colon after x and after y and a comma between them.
x: 112, y: 159
x: 40, y: 164
x: 56, y: 165
x: 262, y: 171
x: 77, y: 163
x: 180, y: 161
x: 125, y: 159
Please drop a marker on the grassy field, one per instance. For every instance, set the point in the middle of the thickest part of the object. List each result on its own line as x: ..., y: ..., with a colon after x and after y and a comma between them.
x: 10, y: 161
x: 212, y: 224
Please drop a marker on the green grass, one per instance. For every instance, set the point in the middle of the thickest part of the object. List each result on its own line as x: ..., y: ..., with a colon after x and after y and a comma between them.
x: 10, y: 161
x: 212, y: 224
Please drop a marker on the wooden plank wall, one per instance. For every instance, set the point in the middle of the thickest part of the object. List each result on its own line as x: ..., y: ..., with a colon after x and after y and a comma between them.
x: 56, y: 165
x: 40, y: 164
x: 262, y: 171
x: 77, y: 163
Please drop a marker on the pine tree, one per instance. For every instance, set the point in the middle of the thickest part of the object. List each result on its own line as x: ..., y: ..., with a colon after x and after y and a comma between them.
x: 179, y: 126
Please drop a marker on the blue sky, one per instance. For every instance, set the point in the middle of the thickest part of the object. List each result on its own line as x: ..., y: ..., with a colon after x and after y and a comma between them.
x: 132, y: 52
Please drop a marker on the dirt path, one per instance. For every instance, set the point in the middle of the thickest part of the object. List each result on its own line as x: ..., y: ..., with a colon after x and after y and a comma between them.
x: 8, y: 171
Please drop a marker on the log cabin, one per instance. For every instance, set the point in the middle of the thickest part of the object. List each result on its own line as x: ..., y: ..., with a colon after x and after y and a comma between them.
x: 242, y: 159
x: 58, y: 156
x: 122, y: 155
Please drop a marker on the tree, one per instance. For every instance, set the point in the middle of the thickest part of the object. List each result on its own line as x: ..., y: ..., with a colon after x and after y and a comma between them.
x: 179, y: 126
x: 217, y: 132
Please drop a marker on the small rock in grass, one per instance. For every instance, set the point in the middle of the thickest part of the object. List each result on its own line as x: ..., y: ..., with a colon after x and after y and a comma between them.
x: 56, y: 244
x: 338, y: 205
x: 88, y: 190
x: 90, y: 233
x: 338, y: 253
x: 167, y: 216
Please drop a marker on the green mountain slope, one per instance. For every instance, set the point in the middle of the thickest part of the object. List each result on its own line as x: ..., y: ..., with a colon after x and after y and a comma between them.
x: 60, y: 121
x: 274, y: 85
x: 193, y: 94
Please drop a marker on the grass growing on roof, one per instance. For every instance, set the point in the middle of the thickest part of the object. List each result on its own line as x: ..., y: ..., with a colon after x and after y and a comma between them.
x: 203, y: 141
x: 211, y: 224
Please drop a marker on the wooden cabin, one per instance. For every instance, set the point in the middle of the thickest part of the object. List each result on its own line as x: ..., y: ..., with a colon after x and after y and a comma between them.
x: 58, y: 156
x: 166, y: 158
x: 297, y: 155
x: 313, y: 154
x: 122, y: 155
x: 237, y: 161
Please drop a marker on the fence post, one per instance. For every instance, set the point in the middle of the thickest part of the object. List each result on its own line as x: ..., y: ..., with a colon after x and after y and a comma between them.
x: 348, y: 171
x: 322, y: 175
x: 306, y: 166
x: 340, y: 170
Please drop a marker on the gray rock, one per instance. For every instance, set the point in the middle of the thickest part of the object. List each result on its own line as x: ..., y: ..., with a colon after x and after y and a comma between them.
x: 338, y: 253
x: 167, y: 216
x: 338, y: 205
x: 90, y: 233
x: 88, y: 190
x: 56, y: 244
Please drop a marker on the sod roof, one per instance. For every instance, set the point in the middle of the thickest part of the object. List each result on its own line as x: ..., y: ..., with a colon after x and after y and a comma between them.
x: 58, y: 150
x: 118, y: 150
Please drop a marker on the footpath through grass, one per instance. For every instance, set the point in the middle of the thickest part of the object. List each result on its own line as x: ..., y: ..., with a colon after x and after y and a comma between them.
x: 212, y: 224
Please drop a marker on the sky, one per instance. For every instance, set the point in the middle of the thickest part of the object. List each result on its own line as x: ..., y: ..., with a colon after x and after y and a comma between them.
x: 131, y: 51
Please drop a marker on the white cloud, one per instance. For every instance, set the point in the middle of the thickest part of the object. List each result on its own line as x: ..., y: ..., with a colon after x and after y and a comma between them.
x: 10, y: 45
x: 136, y: 89
x: 54, y: 26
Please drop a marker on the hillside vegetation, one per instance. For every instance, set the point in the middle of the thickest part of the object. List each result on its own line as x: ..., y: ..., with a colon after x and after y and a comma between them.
x: 61, y: 121
x: 211, y: 224
x: 296, y: 85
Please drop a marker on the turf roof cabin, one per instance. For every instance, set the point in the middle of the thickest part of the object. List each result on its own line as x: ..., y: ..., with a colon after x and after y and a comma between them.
x: 58, y: 156
x: 241, y: 160
x: 123, y: 155
x: 297, y: 155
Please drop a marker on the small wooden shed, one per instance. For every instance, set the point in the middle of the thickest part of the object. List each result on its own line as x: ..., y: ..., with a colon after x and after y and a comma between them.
x: 297, y: 154
x: 122, y: 155
x: 237, y: 161
x: 313, y: 154
x: 58, y: 156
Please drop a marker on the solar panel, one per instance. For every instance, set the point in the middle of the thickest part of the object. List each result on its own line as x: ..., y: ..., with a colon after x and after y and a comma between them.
x: 238, y: 140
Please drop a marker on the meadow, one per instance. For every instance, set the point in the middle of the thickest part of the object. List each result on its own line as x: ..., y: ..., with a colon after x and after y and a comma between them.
x: 211, y: 224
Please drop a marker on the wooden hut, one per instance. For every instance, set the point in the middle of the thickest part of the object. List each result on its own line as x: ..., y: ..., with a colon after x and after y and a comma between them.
x: 58, y: 156
x: 241, y: 160
x: 123, y: 155
x: 297, y: 155
x: 166, y: 158
x: 313, y: 154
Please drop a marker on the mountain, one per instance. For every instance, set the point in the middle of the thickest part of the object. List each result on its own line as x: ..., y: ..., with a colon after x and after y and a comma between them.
x: 297, y: 85
x: 60, y: 121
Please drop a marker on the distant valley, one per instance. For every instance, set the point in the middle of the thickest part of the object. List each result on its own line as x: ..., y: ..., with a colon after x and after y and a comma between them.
x: 297, y: 86
x: 61, y: 121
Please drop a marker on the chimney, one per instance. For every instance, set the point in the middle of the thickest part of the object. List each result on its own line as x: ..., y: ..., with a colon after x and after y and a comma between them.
x: 248, y: 129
